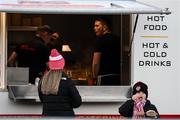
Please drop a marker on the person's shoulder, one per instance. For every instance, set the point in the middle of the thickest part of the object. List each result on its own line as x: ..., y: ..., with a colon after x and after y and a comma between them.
x: 37, y: 40
x: 64, y: 77
x: 149, y: 104
x: 23, y: 42
x: 112, y: 36
x: 67, y: 82
x: 130, y: 101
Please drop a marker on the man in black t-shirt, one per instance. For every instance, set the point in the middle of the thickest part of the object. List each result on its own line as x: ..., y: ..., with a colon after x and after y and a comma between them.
x: 106, y: 57
x: 33, y: 53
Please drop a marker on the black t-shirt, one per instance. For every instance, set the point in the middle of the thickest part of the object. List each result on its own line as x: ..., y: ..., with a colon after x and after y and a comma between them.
x: 33, y: 54
x: 109, y: 47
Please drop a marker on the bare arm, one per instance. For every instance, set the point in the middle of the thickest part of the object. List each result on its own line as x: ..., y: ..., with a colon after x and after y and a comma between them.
x: 96, y: 64
x: 12, y: 59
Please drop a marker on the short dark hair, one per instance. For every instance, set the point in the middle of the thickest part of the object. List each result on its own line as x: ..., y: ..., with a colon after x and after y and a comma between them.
x: 105, y: 20
x: 45, y: 28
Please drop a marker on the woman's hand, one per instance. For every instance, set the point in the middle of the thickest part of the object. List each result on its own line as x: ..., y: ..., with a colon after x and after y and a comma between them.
x: 151, y: 113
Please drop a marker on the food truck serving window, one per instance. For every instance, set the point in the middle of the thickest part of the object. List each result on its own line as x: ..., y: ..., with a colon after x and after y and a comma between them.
x: 117, y: 10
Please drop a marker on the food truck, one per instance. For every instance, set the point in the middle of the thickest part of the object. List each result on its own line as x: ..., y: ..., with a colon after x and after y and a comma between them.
x: 149, y: 40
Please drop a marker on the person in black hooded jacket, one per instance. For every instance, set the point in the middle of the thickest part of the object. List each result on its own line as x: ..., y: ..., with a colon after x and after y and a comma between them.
x: 139, y: 106
x: 57, y: 92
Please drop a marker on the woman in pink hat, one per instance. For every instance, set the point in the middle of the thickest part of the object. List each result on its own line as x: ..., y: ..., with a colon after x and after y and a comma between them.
x: 57, y: 92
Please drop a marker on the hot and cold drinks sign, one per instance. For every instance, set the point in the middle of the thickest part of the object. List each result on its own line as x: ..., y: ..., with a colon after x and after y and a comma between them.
x: 152, y: 42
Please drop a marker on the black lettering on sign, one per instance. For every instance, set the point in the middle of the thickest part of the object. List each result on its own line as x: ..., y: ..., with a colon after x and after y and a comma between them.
x: 155, y: 63
x: 155, y: 27
x: 155, y: 54
x: 155, y: 18
x: 150, y: 45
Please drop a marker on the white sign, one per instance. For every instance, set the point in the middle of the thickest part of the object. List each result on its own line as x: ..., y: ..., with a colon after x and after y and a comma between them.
x: 154, y: 42
x: 156, y: 56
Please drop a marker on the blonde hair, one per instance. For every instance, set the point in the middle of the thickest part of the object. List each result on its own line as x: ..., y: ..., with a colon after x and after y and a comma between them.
x: 51, y: 81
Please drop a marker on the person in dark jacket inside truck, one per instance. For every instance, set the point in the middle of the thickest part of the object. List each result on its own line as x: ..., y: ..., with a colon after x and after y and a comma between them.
x: 57, y: 92
x: 33, y: 53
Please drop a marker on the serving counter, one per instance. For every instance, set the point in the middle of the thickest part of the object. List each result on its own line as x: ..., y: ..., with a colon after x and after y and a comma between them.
x: 88, y: 93
x: 20, y: 90
x: 23, y: 100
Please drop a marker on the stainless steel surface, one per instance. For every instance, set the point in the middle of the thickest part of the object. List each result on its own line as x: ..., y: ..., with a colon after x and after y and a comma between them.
x: 88, y: 93
x: 105, y: 93
x: 23, y: 92
x: 17, y: 75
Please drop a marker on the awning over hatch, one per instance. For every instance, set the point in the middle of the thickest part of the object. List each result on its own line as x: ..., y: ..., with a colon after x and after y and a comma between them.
x: 79, y: 7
